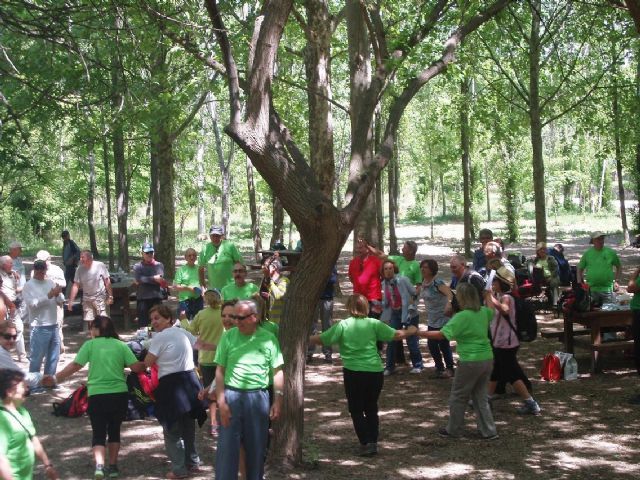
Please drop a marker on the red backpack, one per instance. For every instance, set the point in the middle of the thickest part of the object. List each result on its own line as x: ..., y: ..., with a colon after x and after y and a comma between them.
x: 551, y: 370
x: 75, y: 405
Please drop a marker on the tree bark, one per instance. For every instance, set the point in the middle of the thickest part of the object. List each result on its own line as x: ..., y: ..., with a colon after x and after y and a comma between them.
x: 277, y: 226
x: 91, y: 193
x: 618, y: 153
x: 392, y: 177
x: 536, y: 123
x: 466, y: 166
x: 224, y: 164
x: 253, y: 212
x: 117, y: 139
x: 107, y: 191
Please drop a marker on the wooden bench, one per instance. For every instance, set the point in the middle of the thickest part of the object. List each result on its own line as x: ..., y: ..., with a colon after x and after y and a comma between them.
x: 559, y: 334
x: 613, y: 346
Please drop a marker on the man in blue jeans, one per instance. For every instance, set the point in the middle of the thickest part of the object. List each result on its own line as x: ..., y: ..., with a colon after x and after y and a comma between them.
x: 41, y: 297
x: 246, y: 356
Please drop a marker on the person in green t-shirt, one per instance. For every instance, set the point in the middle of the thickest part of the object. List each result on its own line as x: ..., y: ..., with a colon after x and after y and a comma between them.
x: 19, y: 444
x: 246, y: 355
x: 187, y: 284
x: 469, y: 329
x: 240, y: 289
x: 602, y: 267
x: 362, y: 372
x: 107, y: 357
x: 216, y: 260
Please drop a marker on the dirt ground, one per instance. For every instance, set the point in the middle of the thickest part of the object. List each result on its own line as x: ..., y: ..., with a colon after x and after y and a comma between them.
x: 586, y: 430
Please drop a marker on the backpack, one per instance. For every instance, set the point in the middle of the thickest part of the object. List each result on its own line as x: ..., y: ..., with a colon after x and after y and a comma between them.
x: 75, y: 405
x: 526, y: 327
x: 577, y: 300
x: 551, y: 370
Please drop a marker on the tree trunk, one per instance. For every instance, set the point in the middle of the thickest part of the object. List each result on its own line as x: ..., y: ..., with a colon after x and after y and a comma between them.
x: 107, y: 191
x: 119, y: 162
x: 277, y: 227
x: 253, y: 211
x: 466, y: 166
x: 618, y: 153
x: 223, y: 164
x: 536, y: 124
x: 164, y: 221
x: 200, y: 175
x: 392, y: 177
x: 318, y: 76
x: 91, y: 194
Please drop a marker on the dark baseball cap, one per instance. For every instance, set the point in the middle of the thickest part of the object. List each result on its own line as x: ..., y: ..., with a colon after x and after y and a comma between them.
x: 39, y: 265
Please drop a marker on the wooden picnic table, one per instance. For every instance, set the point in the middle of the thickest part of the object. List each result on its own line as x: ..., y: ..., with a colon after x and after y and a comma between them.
x: 595, y: 321
x: 121, y: 301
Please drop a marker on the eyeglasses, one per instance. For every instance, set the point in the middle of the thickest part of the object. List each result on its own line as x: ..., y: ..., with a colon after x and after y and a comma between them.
x: 242, y: 317
x: 7, y: 336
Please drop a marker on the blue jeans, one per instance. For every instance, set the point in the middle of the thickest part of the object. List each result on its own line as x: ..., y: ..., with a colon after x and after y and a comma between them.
x: 180, y: 444
x: 440, y: 349
x: 45, y: 345
x: 190, y: 306
x: 412, y: 342
x: 248, y: 426
x: 325, y: 312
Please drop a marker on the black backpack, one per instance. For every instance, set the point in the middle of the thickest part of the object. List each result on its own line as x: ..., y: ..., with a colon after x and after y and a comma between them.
x: 526, y: 327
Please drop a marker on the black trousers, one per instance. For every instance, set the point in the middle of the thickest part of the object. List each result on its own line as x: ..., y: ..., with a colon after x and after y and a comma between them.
x: 363, y: 390
x: 107, y: 411
x: 142, y: 307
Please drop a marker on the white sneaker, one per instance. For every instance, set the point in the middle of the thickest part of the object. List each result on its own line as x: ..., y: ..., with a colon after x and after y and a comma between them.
x: 415, y: 370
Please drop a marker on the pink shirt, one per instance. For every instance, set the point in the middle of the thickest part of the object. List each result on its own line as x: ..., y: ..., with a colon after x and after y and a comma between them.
x: 502, y: 335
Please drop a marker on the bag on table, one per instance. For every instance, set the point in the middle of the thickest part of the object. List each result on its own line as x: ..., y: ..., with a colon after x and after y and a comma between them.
x: 551, y: 370
x: 75, y: 405
x: 569, y: 365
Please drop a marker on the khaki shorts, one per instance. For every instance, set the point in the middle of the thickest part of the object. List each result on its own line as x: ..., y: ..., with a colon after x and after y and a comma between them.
x: 93, y: 308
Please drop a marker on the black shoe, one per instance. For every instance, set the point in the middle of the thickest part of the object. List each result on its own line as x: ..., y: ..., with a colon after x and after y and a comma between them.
x: 328, y: 359
x: 444, y: 433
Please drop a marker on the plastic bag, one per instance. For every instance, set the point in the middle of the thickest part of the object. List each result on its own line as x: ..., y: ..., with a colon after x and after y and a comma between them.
x: 569, y: 365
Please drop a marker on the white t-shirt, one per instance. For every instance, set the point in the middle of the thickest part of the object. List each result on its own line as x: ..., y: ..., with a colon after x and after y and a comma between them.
x: 91, y: 280
x: 41, y: 308
x: 174, y: 348
x: 9, y: 285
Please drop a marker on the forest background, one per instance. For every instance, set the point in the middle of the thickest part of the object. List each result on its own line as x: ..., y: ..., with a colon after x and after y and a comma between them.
x: 135, y: 119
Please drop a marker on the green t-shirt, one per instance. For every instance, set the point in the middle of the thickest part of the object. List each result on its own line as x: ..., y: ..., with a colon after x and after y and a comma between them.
x: 270, y: 327
x: 470, y: 330
x: 187, y: 276
x: 107, y: 358
x: 206, y: 325
x: 245, y: 292
x: 219, y: 263
x: 357, y: 339
x: 599, y: 268
x: 15, y: 442
x: 248, y: 359
x: 635, y: 301
x: 408, y: 268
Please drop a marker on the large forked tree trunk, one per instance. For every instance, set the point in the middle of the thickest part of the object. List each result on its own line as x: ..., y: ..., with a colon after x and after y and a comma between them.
x: 253, y: 212
x: 536, y: 123
x: 466, y: 165
x: 265, y: 139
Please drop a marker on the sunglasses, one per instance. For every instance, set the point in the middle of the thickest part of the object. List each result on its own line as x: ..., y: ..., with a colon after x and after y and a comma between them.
x: 7, y: 336
x: 241, y: 317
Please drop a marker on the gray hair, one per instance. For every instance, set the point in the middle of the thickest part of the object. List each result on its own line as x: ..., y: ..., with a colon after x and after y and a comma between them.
x: 4, y: 259
x: 87, y: 253
x: 413, y: 246
x: 251, y: 304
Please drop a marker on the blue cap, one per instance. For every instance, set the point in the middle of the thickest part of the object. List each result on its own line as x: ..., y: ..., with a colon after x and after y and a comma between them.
x: 147, y: 247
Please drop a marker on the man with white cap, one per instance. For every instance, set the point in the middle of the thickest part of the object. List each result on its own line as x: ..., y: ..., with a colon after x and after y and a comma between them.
x: 12, y: 293
x: 93, y: 278
x: 602, y: 267
x: 149, y: 276
x: 57, y: 276
x: 217, y: 259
